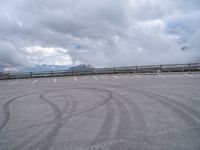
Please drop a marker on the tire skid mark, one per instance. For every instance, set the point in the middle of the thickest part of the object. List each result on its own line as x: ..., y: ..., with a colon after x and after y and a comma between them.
x: 6, y: 110
x: 48, y: 141
x: 97, y: 105
x: 106, y: 99
x: 139, y: 123
x: 30, y: 139
x: 193, y: 112
x: 170, y: 131
x: 124, y: 129
x: 185, y: 112
x: 66, y: 105
x: 179, y: 109
x: 45, y: 123
x: 85, y: 110
x: 72, y: 109
x: 26, y: 142
x: 79, y: 113
x: 172, y: 93
x: 137, y: 116
x: 57, y: 122
x: 132, y: 130
x: 104, y: 133
x: 125, y: 136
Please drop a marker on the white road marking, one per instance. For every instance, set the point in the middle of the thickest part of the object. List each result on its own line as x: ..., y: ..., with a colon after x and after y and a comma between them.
x: 116, y: 77
x: 95, y: 78
x: 34, y: 81
x: 55, y: 80
x: 189, y: 75
x: 162, y: 76
x: 75, y: 79
x: 13, y: 82
x: 138, y: 77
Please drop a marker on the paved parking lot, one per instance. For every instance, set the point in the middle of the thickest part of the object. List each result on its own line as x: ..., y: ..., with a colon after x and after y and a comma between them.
x: 111, y: 112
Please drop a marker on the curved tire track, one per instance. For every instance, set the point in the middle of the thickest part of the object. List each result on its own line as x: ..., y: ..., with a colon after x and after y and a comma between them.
x: 6, y: 110
x: 58, y: 120
x: 97, y: 105
x: 185, y: 112
x: 26, y: 142
x: 46, y: 143
x: 128, y: 123
x: 89, y: 108
x: 104, y: 133
x: 125, y: 129
x: 132, y: 130
x: 190, y: 115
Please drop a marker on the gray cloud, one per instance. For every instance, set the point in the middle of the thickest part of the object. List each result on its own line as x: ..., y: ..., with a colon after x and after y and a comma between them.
x: 100, y: 33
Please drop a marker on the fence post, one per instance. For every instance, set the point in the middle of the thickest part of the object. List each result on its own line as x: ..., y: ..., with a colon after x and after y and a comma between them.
x: 93, y: 71
x: 189, y: 67
x: 51, y: 73
x: 114, y: 69
x: 72, y: 71
x: 31, y: 74
x: 160, y: 68
x: 136, y: 69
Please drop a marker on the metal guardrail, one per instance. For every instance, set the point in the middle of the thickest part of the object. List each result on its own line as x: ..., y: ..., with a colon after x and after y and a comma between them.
x: 91, y: 71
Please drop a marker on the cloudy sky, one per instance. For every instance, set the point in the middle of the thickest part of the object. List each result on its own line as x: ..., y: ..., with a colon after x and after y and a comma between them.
x: 102, y: 33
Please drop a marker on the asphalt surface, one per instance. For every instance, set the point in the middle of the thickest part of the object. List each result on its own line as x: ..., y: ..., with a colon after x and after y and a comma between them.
x: 103, y: 112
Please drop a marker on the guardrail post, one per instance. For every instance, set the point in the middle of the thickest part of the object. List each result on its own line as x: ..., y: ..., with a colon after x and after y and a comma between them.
x: 160, y: 68
x: 31, y: 74
x: 93, y: 71
x: 189, y: 67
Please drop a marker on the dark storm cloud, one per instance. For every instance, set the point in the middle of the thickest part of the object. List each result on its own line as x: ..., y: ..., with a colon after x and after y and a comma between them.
x: 100, y: 33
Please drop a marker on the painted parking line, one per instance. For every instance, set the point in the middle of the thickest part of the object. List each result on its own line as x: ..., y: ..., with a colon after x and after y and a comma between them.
x: 14, y: 82
x: 189, y: 75
x: 55, y: 80
x: 116, y: 77
x: 139, y: 77
x: 34, y: 81
x: 162, y: 76
x: 95, y: 78
x: 75, y: 79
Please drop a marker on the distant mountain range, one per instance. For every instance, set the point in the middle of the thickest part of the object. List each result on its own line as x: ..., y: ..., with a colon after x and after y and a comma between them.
x: 81, y: 67
x: 38, y: 68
